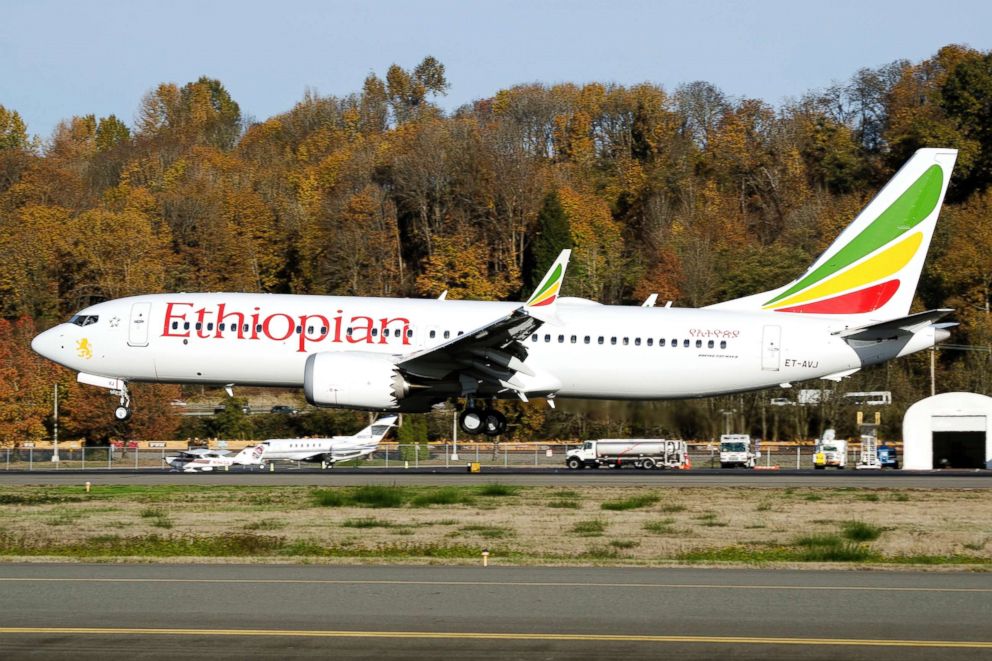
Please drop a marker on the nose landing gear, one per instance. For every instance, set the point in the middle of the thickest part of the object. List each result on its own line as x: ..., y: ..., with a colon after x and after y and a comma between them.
x: 124, y: 411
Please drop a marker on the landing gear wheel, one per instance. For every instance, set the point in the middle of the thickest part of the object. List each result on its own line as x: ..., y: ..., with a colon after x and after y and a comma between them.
x: 470, y: 420
x: 493, y: 423
x: 122, y: 413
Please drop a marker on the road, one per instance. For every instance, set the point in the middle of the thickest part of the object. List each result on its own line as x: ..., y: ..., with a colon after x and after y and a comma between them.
x: 269, y: 611
x: 522, y: 477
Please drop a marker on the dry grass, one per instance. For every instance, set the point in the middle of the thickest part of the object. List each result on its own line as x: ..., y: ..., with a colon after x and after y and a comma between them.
x: 522, y: 525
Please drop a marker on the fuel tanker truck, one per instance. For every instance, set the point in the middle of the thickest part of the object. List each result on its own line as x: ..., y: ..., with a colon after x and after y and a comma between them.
x: 637, y: 452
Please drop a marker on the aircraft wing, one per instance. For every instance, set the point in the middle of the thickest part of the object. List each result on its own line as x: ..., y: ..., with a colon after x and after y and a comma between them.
x: 495, y: 350
x: 492, y: 356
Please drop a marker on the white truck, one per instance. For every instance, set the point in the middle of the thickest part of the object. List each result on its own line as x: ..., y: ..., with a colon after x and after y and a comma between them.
x: 637, y: 452
x: 829, y: 451
x: 737, y: 451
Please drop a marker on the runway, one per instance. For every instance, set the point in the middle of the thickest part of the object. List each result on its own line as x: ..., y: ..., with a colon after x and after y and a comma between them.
x: 521, y: 477
x: 269, y: 611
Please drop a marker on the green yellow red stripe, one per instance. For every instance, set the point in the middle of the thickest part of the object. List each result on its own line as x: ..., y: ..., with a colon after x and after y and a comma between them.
x: 911, y: 208
x: 882, y: 265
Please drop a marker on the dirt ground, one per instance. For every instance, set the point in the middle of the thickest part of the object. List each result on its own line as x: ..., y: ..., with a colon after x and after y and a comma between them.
x: 528, y: 526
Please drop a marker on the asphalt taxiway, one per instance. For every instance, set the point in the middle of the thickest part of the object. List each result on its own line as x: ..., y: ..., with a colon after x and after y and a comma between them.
x: 521, y: 477
x: 267, y: 611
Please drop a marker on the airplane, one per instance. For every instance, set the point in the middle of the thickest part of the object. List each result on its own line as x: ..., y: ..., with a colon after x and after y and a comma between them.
x: 202, y: 459
x: 329, y: 451
x: 850, y: 309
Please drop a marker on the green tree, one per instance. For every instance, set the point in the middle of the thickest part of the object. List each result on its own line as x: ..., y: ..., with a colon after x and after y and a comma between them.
x: 552, y: 236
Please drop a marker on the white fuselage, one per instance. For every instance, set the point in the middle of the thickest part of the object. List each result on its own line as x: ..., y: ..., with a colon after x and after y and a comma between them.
x: 589, y: 351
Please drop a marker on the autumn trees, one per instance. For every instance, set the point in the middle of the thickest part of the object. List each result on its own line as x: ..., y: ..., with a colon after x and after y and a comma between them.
x: 688, y: 193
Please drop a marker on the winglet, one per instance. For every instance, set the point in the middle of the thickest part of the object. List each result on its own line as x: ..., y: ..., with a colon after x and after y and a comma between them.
x: 547, y: 292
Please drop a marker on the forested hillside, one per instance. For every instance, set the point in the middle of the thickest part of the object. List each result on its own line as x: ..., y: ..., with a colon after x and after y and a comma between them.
x: 685, y: 192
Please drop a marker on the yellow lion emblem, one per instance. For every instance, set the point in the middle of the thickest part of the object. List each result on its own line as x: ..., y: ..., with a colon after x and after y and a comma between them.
x: 83, y: 349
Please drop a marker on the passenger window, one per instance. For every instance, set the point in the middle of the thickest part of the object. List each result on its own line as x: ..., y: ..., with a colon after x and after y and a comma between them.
x: 685, y: 343
x: 561, y: 339
x: 375, y: 332
x: 709, y: 345
x: 586, y: 339
x: 299, y: 329
x: 547, y: 338
x: 323, y: 330
x: 613, y: 340
x: 199, y: 325
x: 246, y: 328
x: 433, y: 334
x: 626, y: 341
x: 574, y: 339
x: 210, y: 326
x: 258, y: 328
x: 186, y: 325
x: 699, y: 344
x: 600, y: 341
x: 723, y: 344
x: 220, y: 327
x: 675, y: 343
x: 460, y: 332
x: 661, y: 342
x: 175, y: 325
x: 650, y: 341
x: 409, y: 332
x: 309, y: 330
x: 348, y: 332
x: 447, y: 334
x: 637, y: 341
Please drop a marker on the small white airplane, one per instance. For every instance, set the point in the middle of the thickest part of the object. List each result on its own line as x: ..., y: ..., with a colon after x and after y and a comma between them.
x: 850, y: 309
x: 191, y: 461
x: 329, y: 451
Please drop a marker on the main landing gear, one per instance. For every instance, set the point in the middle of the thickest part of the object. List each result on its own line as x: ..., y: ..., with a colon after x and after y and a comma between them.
x: 124, y: 411
x: 475, y: 421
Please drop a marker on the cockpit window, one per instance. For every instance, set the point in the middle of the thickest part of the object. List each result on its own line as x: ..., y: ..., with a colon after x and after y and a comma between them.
x: 84, y: 319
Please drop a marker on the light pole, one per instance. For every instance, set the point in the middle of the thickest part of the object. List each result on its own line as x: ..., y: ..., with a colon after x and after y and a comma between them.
x: 454, y: 435
x: 55, y: 426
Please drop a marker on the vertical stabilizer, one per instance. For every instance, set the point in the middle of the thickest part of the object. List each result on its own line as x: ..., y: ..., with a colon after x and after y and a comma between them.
x: 871, y: 270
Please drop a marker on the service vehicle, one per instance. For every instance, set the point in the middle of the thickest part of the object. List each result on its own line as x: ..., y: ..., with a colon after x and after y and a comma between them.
x: 830, y: 451
x: 887, y: 456
x: 637, y: 452
x: 737, y: 451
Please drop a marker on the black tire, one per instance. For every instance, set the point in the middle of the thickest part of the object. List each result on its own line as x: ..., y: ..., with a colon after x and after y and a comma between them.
x: 122, y: 413
x: 470, y: 420
x: 574, y: 463
x: 493, y: 423
x: 648, y: 464
x: 819, y: 468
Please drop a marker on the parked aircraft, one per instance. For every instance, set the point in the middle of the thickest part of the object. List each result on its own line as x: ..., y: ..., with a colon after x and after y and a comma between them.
x: 849, y: 310
x: 191, y: 461
x: 329, y: 451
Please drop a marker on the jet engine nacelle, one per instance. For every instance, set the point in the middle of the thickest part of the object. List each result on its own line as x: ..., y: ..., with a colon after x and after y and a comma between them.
x: 353, y: 380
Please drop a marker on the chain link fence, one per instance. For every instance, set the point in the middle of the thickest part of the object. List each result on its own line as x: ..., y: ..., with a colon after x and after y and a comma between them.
x: 391, y: 456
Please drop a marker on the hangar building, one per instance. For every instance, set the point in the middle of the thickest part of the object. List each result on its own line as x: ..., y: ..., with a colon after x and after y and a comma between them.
x: 950, y: 430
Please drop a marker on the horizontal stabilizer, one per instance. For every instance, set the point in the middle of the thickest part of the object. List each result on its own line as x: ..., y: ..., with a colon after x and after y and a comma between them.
x: 900, y: 326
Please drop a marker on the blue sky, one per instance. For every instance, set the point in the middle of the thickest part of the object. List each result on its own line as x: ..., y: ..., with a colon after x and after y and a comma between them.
x: 100, y: 56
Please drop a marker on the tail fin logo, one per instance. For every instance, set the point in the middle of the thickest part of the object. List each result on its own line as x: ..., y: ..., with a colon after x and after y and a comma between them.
x: 547, y: 292
x: 846, y: 282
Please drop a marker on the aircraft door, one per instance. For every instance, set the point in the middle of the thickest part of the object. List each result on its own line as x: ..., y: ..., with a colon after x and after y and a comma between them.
x: 137, y: 335
x: 771, y: 345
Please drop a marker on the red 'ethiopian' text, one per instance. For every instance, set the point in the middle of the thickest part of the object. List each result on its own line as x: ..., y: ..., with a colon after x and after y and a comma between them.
x: 181, y: 320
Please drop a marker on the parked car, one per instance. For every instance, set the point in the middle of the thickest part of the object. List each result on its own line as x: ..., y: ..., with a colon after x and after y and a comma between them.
x: 284, y: 410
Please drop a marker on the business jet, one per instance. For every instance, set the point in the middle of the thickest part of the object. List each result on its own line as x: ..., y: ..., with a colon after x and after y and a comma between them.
x: 850, y: 309
x: 329, y: 451
x: 191, y: 461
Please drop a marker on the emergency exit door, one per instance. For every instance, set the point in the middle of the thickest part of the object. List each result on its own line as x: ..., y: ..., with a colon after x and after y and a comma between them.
x: 771, y: 348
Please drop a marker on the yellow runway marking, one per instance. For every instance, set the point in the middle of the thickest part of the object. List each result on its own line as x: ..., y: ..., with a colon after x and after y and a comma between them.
x: 542, y: 584
x: 457, y: 635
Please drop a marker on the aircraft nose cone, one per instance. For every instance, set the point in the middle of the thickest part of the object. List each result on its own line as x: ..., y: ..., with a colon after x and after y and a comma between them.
x: 46, y: 344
